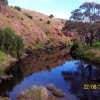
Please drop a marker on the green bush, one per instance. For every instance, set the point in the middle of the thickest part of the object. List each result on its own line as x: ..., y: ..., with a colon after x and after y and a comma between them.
x: 29, y: 16
x: 17, y: 8
x: 47, y: 32
x: 48, y: 42
x: 13, y: 53
x: 10, y: 43
x: 74, y: 47
x: 37, y: 40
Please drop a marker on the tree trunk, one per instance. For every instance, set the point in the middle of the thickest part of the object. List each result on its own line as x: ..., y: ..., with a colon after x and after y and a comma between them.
x: 91, y: 42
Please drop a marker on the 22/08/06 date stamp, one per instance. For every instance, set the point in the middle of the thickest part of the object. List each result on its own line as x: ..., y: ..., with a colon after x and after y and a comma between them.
x: 91, y: 86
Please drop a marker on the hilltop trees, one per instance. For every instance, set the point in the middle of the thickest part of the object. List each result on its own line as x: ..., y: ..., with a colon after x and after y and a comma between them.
x: 85, y: 21
x: 10, y: 43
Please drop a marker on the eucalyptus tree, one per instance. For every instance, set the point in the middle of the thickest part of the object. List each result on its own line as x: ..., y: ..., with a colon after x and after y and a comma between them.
x: 86, y: 20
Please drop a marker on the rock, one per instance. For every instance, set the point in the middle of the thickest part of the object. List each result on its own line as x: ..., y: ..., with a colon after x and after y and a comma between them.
x: 50, y: 87
x: 57, y: 92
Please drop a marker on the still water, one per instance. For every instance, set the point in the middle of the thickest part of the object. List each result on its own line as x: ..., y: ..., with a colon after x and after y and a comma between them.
x: 56, y: 67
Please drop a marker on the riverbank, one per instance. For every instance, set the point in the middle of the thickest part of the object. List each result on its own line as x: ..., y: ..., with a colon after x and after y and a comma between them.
x: 5, y: 62
x: 88, y: 53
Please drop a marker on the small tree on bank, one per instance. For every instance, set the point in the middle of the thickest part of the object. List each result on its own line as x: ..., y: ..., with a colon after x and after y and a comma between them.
x: 86, y: 21
x: 10, y: 43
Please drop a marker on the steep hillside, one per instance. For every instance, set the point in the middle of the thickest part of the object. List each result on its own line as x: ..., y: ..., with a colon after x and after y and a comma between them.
x: 36, y: 31
x: 52, y: 30
x: 21, y: 25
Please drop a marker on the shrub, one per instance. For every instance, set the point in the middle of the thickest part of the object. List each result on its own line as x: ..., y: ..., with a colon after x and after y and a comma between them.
x: 13, y: 53
x: 29, y: 16
x: 40, y: 19
x: 22, y: 18
x: 48, y: 42
x: 47, y: 32
x: 10, y: 43
x: 17, y: 8
x: 51, y: 16
x: 37, y: 40
x: 74, y: 47
x: 48, y: 22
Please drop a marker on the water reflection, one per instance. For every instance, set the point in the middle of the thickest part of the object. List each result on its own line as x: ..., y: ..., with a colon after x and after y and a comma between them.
x: 56, y: 67
x: 83, y: 74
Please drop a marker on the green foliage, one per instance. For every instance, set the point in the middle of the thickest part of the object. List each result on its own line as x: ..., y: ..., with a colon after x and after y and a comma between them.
x: 85, y: 21
x: 81, y: 53
x: 48, y: 22
x: 37, y: 40
x: 10, y: 43
x: 48, y: 42
x: 29, y: 16
x: 4, y: 59
x: 69, y: 25
x: 96, y: 44
x: 13, y: 53
x: 74, y: 47
x: 17, y: 8
x: 47, y: 32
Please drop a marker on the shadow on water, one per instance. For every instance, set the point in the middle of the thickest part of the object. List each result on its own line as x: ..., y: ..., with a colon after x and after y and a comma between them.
x: 56, y: 67
x: 82, y: 77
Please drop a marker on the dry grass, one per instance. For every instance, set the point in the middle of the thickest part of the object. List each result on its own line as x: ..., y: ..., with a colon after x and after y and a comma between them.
x: 29, y: 29
x: 5, y: 61
x: 55, y: 23
x: 53, y: 29
x: 35, y: 93
x: 2, y: 98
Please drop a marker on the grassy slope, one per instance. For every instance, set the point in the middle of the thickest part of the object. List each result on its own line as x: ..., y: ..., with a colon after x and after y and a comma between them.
x: 92, y: 53
x: 53, y: 29
x: 34, y: 29
x: 5, y: 60
x: 26, y: 27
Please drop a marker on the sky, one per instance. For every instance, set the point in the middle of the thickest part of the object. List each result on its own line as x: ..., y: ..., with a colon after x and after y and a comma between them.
x: 59, y: 8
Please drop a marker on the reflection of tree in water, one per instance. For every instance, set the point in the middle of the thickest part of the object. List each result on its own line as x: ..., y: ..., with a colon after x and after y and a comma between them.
x: 15, y: 70
x: 44, y: 60
x: 82, y: 75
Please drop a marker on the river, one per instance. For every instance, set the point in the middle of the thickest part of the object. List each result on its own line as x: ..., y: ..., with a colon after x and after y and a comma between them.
x: 73, y: 77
